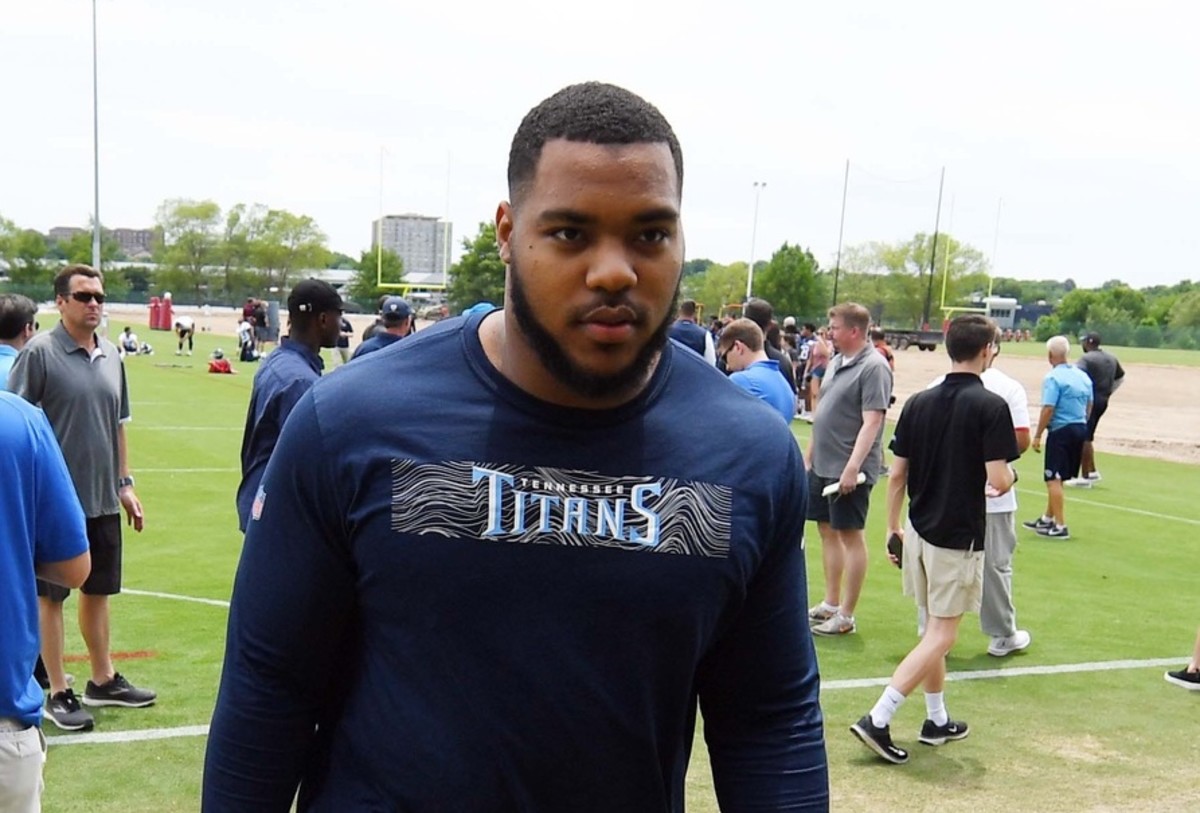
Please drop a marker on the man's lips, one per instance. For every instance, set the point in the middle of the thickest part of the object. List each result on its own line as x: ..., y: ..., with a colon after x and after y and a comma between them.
x: 610, y: 325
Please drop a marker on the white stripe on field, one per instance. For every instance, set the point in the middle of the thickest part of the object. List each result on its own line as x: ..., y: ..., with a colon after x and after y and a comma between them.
x: 215, y: 602
x: 130, y: 736
x: 187, y: 471
x: 1125, y: 508
x: 188, y: 428
x: 829, y: 685
x: 985, y: 674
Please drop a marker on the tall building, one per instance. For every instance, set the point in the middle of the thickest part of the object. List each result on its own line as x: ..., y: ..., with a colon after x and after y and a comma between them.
x: 422, y: 243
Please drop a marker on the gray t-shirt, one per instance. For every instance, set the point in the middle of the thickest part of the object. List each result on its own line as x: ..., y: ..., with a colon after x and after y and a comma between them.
x: 85, y: 397
x: 851, y: 387
x: 1104, y: 370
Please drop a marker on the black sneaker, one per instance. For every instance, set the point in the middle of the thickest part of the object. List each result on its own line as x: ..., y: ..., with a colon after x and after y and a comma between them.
x: 64, y: 711
x: 118, y: 692
x: 934, y: 734
x: 1184, y: 678
x: 1055, y: 532
x: 1038, y: 524
x: 879, y: 740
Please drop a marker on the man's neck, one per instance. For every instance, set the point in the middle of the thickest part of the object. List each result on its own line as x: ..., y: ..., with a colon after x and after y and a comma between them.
x: 851, y: 352
x: 973, y: 367
x: 85, y: 337
x: 15, y: 344
x: 761, y: 355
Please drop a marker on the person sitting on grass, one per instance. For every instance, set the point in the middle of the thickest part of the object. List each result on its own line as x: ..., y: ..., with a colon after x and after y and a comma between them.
x: 217, y: 363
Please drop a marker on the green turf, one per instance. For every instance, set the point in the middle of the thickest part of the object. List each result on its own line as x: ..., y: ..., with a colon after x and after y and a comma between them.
x: 1122, y: 588
x: 1128, y: 355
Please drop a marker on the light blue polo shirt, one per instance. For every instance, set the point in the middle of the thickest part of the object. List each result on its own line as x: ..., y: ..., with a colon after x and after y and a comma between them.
x: 8, y: 355
x: 762, y: 379
x: 1069, y: 390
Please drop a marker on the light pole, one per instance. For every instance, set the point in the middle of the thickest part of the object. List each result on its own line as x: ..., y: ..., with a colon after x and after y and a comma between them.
x: 759, y: 186
x: 95, y: 149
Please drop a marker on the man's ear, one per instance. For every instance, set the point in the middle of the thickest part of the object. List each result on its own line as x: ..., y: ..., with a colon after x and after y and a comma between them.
x: 504, y: 230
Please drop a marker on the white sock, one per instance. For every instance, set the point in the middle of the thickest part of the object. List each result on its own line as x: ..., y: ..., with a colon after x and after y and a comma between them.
x: 935, y: 707
x: 829, y: 608
x: 1047, y: 519
x: 885, y: 707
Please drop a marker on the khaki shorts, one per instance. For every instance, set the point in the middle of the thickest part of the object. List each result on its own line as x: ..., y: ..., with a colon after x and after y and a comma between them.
x: 22, y: 754
x: 943, y: 581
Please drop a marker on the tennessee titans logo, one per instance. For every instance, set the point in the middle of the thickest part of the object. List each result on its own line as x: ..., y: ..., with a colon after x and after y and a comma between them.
x: 541, y: 505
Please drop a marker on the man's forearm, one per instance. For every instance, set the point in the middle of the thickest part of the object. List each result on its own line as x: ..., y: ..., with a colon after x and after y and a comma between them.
x: 865, y: 438
x: 895, y: 499
x: 122, y: 452
x: 1044, y: 418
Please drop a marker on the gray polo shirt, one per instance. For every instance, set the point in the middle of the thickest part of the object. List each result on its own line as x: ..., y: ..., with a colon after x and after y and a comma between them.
x: 85, y: 397
x: 852, y: 386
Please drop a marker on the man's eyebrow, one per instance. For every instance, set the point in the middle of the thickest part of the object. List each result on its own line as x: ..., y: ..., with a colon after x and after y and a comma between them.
x: 657, y: 215
x: 565, y: 216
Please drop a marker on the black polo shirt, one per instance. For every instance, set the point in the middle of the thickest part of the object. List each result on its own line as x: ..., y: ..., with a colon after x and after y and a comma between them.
x: 947, y: 434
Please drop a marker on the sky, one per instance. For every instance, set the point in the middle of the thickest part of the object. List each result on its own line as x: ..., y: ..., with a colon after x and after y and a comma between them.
x: 1069, y: 131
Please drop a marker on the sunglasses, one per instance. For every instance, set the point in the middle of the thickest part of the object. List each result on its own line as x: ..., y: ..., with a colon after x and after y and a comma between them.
x: 86, y: 296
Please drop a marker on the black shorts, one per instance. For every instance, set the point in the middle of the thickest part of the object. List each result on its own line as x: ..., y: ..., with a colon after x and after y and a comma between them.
x: 1064, y: 450
x: 1098, y: 408
x: 843, y: 512
x: 104, y: 543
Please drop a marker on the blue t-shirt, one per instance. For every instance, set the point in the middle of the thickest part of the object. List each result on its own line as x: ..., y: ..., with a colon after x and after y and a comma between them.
x: 762, y: 379
x: 1069, y: 390
x: 284, y: 376
x: 377, y: 342
x: 40, y: 521
x: 8, y: 355
x: 485, y: 602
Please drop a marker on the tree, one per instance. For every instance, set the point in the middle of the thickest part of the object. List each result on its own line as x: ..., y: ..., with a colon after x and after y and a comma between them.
x: 791, y: 283
x: 718, y: 286
x: 909, y: 287
x: 288, y: 243
x: 1186, y: 311
x: 364, y: 288
x: 342, y: 261
x: 189, y: 246
x: 478, y: 276
x: 697, y: 266
x: 79, y: 248
x: 242, y: 227
x: 27, y: 252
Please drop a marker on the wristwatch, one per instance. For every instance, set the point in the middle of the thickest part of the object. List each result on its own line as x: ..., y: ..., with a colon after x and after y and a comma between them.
x: 125, y: 482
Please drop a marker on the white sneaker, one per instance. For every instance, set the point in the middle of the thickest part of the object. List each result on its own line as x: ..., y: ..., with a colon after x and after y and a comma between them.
x: 1078, y: 482
x: 1002, y: 645
x: 1095, y: 476
x: 837, y: 625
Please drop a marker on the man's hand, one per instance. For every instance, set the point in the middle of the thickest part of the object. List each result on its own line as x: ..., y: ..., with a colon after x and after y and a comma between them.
x: 849, y: 480
x: 895, y: 545
x: 1037, y: 444
x: 133, y: 508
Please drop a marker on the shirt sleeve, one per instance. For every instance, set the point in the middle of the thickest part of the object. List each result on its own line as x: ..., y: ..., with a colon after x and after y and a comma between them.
x: 28, y: 376
x: 293, y: 600
x: 1050, y: 390
x: 710, y: 352
x: 999, y: 439
x: 876, y: 385
x: 61, y: 532
x: 899, y: 444
x: 126, y: 413
x: 1018, y: 406
x: 759, y: 686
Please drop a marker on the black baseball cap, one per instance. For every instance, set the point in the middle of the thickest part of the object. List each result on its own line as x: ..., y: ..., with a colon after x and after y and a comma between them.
x: 395, y: 309
x: 312, y: 296
x: 1090, y: 338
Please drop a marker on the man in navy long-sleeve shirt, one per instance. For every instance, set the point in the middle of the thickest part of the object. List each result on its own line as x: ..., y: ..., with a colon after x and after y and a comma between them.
x: 513, y: 591
x: 314, y: 321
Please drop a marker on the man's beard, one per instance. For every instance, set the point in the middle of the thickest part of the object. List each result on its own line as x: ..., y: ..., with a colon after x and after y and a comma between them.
x: 555, y: 359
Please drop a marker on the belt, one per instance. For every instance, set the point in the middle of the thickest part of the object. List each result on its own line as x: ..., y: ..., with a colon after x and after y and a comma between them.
x: 12, y: 724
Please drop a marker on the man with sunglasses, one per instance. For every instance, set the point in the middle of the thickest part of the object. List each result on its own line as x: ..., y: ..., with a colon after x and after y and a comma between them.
x: 78, y: 378
x: 742, y: 350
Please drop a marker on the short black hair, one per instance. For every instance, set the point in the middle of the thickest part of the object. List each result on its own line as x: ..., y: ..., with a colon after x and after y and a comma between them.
x: 688, y: 307
x: 968, y: 335
x: 591, y: 113
x: 62, y: 280
x: 759, y: 311
x: 16, y: 312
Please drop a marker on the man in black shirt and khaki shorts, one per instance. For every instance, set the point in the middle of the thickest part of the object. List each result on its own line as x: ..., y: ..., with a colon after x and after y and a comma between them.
x: 952, y: 447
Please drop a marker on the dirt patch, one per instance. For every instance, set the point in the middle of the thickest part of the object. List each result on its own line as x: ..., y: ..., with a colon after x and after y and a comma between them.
x: 1153, y: 415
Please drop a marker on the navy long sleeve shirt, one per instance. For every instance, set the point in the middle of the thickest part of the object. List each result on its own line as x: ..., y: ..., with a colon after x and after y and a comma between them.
x: 466, y: 599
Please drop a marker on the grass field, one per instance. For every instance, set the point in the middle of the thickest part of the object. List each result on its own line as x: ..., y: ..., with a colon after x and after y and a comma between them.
x: 1123, y: 589
x: 1128, y: 355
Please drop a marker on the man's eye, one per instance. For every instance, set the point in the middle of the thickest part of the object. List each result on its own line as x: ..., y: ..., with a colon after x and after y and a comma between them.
x: 654, y: 235
x: 567, y: 234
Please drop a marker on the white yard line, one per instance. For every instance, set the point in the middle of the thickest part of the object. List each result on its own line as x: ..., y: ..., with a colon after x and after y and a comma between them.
x: 188, y: 428
x: 224, y: 470
x: 215, y: 602
x: 1125, y: 508
x: 829, y: 685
